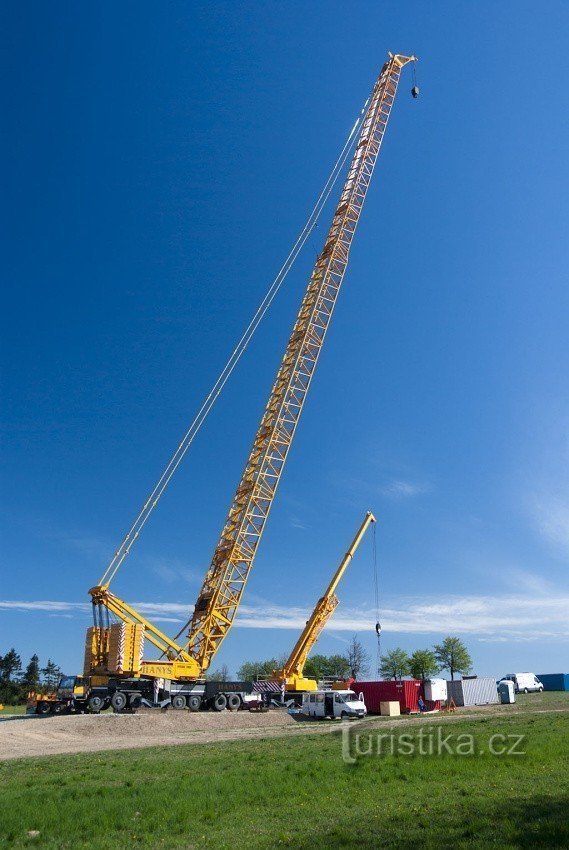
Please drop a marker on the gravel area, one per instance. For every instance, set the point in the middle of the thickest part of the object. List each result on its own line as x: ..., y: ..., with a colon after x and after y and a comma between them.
x: 22, y: 736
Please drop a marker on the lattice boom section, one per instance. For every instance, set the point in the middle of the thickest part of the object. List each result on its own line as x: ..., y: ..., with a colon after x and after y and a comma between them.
x: 225, y: 581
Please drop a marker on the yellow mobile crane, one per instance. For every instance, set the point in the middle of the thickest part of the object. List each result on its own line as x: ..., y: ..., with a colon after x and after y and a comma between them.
x: 115, y: 670
x: 292, y: 672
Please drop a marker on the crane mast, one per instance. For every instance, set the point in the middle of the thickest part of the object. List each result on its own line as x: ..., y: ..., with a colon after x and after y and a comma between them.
x: 292, y: 673
x: 233, y: 558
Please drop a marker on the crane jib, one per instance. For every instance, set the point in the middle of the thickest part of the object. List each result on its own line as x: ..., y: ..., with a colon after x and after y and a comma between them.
x: 231, y: 564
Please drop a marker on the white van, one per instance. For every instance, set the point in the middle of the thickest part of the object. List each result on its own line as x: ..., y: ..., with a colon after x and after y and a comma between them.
x: 333, y: 704
x: 523, y: 682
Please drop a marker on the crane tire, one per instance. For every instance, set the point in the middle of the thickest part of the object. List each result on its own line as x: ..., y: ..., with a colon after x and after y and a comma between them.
x: 43, y: 707
x: 118, y: 701
x: 194, y: 703
x: 233, y: 702
x: 95, y: 704
x: 220, y: 702
x: 178, y: 701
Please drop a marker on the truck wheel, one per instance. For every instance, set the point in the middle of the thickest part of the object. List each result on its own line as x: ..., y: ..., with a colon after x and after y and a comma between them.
x: 118, y: 701
x: 94, y: 704
x: 135, y: 702
x: 194, y: 703
x: 43, y: 708
x: 525, y: 690
x: 233, y: 702
x: 178, y: 702
x: 220, y: 702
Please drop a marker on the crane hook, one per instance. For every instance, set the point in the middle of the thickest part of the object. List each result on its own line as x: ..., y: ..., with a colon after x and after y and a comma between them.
x: 415, y: 89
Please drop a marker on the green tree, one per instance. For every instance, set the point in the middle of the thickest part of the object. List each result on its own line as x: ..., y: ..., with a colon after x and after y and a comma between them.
x: 327, y: 666
x: 453, y: 656
x: 250, y: 671
x: 338, y: 666
x: 10, y: 665
x: 394, y: 664
x: 316, y: 667
x: 423, y: 664
x: 357, y: 658
x: 51, y: 674
x: 221, y: 675
x: 31, y: 678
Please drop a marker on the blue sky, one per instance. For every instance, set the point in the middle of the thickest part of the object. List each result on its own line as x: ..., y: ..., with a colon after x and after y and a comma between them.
x: 159, y: 163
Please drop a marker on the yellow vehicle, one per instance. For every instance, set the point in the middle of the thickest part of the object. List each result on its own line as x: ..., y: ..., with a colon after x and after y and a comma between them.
x: 71, y: 695
x: 115, y: 666
x: 291, y: 675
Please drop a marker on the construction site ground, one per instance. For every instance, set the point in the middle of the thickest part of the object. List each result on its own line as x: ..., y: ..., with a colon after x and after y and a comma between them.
x: 24, y: 736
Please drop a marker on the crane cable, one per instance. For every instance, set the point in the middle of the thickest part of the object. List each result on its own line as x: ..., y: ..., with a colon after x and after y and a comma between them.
x: 238, y: 351
x: 376, y: 595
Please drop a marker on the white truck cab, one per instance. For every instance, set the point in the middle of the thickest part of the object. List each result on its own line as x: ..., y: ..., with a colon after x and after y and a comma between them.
x: 343, y: 704
x: 523, y: 682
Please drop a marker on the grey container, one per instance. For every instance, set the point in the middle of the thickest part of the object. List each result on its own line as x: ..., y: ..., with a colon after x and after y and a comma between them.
x: 475, y: 691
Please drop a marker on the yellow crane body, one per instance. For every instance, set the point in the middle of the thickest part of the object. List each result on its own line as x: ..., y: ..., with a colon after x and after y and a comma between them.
x: 292, y: 673
x: 233, y: 558
x: 225, y: 580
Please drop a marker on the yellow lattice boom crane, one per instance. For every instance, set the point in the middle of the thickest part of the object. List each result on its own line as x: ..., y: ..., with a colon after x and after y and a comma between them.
x: 187, y: 660
x: 291, y: 674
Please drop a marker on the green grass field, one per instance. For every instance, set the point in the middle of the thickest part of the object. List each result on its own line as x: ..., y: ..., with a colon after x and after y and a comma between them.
x: 13, y: 709
x: 298, y: 793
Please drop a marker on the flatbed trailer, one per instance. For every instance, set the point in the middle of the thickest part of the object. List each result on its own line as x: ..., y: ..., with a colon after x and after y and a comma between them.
x: 76, y: 694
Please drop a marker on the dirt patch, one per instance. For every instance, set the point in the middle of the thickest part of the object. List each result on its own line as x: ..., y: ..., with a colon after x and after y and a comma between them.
x: 21, y: 737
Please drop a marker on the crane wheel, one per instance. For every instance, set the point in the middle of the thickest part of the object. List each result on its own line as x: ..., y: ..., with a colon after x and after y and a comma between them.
x: 43, y: 708
x: 194, y: 703
x: 179, y: 702
x: 95, y: 704
x: 220, y: 702
x: 118, y: 701
x: 233, y: 702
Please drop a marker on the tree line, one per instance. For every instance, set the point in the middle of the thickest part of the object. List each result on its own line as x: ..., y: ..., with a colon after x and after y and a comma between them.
x: 354, y: 662
x: 16, y: 682
x: 451, y: 655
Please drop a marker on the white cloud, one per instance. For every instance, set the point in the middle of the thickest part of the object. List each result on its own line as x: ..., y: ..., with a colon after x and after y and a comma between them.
x: 401, y: 489
x: 552, y: 515
x: 514, y: 617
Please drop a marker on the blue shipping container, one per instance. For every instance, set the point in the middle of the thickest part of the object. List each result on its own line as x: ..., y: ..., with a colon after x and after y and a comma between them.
x: 554, y: 681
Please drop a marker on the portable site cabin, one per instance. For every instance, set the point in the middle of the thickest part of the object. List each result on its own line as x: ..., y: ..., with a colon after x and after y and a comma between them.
x: 473, y: 691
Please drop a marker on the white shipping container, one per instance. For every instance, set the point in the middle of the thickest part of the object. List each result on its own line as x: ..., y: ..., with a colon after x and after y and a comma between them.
x: 435, y: 689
